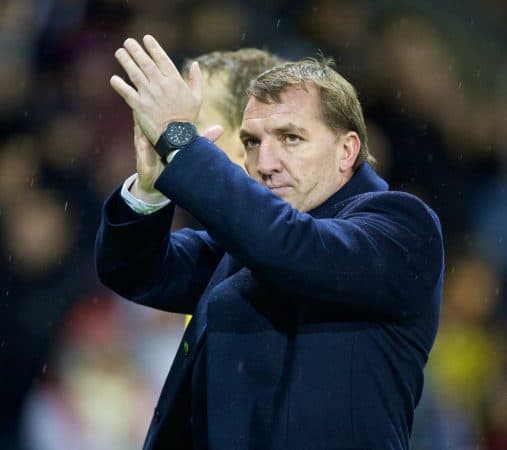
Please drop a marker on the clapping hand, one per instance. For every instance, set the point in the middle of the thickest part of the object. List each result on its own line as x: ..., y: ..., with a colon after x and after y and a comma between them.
x: 160, y: 95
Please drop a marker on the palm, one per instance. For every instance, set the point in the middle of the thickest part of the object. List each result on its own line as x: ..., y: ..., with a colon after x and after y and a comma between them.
x: 148, y: 163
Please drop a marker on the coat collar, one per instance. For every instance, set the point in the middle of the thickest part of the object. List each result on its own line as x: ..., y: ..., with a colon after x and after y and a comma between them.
x: 364, y: 180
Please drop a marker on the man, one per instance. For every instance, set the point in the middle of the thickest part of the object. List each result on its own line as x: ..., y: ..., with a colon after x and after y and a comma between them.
x: 315, y: 290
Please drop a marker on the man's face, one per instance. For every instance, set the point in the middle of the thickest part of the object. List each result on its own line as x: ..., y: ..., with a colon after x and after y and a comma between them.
x: 213, y: 89
x: 292, y: 151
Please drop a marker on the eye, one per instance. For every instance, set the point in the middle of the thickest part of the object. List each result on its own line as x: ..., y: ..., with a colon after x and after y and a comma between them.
x: 250, y: 143
x: 291, y: 139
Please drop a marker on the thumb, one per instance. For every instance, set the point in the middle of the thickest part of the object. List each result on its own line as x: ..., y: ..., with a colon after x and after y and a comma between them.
x: 213, y: 133
x: 195, y: 80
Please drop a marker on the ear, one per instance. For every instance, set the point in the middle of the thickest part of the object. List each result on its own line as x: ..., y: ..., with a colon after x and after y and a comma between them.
x: 350, y: 144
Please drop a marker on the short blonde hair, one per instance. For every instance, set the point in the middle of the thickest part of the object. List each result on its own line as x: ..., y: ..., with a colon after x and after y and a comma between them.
x: 237, y: 69
x: 340, y: 107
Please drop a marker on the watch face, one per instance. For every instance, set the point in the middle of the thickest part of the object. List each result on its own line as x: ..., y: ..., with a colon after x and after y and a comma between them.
x: 180, y: 133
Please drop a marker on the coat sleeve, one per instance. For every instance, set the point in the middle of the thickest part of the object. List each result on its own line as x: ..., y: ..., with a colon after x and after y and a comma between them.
x: 140, y: 259
x: 382, y: 254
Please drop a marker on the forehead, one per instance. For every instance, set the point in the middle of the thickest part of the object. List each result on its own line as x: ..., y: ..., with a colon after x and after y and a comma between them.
x: 297, y: 104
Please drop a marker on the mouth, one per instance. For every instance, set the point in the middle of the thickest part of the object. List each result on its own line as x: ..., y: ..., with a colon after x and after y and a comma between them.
x: 279, y: 190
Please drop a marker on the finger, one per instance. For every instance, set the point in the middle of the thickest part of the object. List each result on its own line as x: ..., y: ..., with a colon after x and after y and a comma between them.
x: 133, y: 71
x: 195, y: 79
x: 124, y: 90
x: 141, y: 58
x: 160, y: 57
x: 213, y: 133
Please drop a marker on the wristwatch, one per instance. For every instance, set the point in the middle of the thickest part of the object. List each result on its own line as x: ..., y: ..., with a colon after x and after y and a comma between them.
x: 175, y: 136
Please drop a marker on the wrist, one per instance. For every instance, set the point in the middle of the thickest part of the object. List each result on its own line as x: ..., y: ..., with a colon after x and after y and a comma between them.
x: 151, y: 196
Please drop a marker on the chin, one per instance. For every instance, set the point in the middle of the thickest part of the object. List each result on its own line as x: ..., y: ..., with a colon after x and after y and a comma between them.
x: 293, y: 202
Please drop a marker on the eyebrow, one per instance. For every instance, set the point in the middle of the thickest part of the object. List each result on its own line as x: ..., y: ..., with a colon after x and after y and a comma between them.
x: 243, y: 134
x: 288, y: 128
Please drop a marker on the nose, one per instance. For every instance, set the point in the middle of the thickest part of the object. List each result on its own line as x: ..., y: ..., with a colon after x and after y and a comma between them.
x: 268, y: 159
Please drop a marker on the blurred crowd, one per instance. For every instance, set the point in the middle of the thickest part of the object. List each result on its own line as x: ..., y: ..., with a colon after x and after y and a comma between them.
x: 81, y: 368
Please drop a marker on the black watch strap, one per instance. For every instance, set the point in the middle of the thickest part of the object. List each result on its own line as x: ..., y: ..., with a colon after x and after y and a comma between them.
x: 163, y: 147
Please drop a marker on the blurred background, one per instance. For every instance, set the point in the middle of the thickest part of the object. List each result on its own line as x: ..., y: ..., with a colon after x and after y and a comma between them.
x: 81, y: 368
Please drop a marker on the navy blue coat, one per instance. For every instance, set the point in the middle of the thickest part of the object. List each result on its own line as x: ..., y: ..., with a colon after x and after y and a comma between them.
x: 316, y: 325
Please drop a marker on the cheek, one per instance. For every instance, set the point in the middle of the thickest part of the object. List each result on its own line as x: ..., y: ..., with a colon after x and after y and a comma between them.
x: 313, y: 172
x: 311, y: 179
x: 303, y: 171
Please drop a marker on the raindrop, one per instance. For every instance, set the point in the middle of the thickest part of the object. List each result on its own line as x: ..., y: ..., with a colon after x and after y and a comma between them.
x: 66, y: 207
x: 44, y: 368
x: 243, y: 36
x: 278, y: 23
